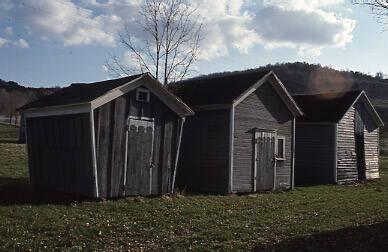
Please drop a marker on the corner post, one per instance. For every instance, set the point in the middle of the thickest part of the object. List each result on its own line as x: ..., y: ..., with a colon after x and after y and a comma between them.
x: 293, y: 154
x: 231, y: 147
x: 182, y: 121
x: 93, y: 150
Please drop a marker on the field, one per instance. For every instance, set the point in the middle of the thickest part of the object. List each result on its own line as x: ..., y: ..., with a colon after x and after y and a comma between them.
x: 320, y: 218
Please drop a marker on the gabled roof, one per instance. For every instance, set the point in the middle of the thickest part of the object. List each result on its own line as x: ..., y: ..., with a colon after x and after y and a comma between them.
x: 216, y: 89
x: 98, y: 93
x: 332, y: 107
x: 79, y: 93
x: 229, y: 88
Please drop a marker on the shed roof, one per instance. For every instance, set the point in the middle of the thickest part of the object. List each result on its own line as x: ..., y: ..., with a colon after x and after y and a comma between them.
x: 79, y: 93
x: 229, y: 88
x: 217, y: 88
x: 331, y: 107
x: 93, y: 95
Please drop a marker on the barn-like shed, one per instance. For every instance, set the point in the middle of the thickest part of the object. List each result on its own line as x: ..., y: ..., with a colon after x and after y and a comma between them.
x: 106, y: 139
x: 241, y: 138
x: 337, y: 140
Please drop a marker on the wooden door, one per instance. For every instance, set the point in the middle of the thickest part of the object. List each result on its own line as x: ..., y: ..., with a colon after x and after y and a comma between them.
x: 360, y: 148
x: 139, y: 148
x: 265, y: 162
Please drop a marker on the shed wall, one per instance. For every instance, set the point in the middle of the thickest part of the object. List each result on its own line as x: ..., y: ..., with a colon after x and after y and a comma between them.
x: 262, y: 109
x: 110, y: 129
x: 371, y: 139
x: 346, y: 149
x: 59, y: 149
x: 347, y: 158
x: 315, y: 153
x: 204, y: 161
x: 372, y: 153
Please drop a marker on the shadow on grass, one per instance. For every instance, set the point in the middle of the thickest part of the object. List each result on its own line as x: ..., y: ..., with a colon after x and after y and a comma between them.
x: 18, y: 191
x: 362, y: 238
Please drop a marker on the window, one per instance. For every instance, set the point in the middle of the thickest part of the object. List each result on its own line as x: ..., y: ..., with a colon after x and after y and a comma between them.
x: 142, y: 95
x: 281, y: 148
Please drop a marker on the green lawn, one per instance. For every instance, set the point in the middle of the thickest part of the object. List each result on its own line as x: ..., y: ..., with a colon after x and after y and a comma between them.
x: 309, y: 218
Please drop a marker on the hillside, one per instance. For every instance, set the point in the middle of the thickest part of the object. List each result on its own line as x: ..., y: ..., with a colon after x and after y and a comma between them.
x: 13, y: 96
x: 298, y: 77
x: 303, y: 78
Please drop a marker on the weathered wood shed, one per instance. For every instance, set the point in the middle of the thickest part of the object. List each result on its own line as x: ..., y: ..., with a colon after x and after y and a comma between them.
x: 243, y: 121
x: 106, y: 139
x: 337, y: 140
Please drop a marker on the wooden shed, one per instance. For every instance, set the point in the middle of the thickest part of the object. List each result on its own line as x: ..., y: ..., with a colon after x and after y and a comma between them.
x: 106, y: 139
x: 241, y: 137
x: 337, y: 140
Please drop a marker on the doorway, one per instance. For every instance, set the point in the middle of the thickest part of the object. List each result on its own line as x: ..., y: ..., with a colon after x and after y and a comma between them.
x: 264, y: 160
x: 138, y: 156
x: 360, y: 147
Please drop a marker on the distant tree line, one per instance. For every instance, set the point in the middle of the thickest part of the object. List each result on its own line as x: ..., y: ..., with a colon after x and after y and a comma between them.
x: 13, y: 96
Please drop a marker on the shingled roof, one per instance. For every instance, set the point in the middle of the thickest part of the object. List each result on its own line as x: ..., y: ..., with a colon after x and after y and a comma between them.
x: 215, y: 89
x: 79, y: 93
x: 326, y: 107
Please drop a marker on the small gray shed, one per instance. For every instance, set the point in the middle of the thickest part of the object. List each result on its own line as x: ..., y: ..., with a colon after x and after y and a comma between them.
x: 241, y: 138
x: 106, y: 139
x: 337, y: 140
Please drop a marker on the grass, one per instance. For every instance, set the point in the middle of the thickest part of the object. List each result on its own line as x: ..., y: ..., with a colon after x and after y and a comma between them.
x: 318, y: 218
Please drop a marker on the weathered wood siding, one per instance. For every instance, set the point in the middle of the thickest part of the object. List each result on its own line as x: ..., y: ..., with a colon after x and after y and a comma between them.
x: 315, y: 153
x: 372, y: 153
x: 346, y: 149
x: 204, y: 161
x: 110, y: 129
x: 59, y: 149
x: 371, y: 143
x: 347, y: 156
x: 262, y: 109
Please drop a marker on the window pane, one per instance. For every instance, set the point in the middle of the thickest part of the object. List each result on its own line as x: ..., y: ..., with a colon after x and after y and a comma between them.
x: 280, y: 148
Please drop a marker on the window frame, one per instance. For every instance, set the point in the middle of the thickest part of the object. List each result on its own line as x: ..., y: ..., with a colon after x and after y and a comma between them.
x: 142, y: 90
x: 283, y: 156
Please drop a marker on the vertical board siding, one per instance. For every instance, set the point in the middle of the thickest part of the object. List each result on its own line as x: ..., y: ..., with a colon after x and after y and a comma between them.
x: 118, y: 147
x: 347, y: 158
x: 346, y: 148
x: 371, y: 143
x: 60, y: 153
x: 262, y: 109
x: 110, y: 129
x: 315, y: 154
x: 372, y: 153
x: 204, y: 162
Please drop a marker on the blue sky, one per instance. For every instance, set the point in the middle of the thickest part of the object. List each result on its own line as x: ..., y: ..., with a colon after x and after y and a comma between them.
x: 57, y: 42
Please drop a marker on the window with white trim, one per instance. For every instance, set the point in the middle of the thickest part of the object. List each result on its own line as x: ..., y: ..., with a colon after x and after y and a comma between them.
x: 142, y: 95
x: 281, y: 148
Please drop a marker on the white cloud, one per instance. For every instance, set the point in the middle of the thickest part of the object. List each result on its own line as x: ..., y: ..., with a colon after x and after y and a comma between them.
x: 3, y: 42
x: 308, y: 26
x: 68, y: 23
x: 21, y: 43
x: 304, y: 25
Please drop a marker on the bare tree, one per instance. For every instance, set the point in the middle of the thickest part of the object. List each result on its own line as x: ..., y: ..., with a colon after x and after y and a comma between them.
x: 379, y: 8
x: 167, y: 44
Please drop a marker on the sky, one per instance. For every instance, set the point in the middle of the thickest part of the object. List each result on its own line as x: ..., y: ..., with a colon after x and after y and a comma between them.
x: 45, y: 43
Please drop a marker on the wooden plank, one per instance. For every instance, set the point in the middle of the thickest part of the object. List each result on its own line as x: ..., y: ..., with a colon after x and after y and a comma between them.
x: 118, y: 147
x: 167, y: 154
x: 133, y: 156
x: 103, y: 148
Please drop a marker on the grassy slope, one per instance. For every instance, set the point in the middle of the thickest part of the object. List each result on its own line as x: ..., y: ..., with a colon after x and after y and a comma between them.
x: 320, y: 217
